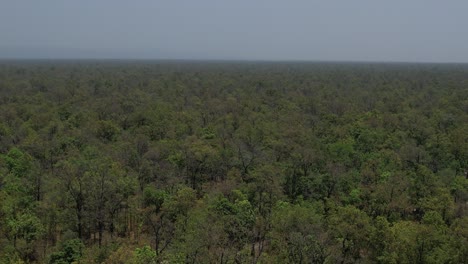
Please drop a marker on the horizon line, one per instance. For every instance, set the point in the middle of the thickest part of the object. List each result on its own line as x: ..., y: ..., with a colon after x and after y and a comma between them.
x: 104, y: 59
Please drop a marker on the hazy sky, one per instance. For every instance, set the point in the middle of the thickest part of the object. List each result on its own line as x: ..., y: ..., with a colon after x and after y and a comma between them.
x: 356, y: 30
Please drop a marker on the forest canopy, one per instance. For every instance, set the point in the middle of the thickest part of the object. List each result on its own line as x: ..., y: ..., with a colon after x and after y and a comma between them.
x: 233, y: 162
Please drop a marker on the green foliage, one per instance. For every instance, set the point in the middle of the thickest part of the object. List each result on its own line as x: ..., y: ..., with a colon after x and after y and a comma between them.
x: 351, y: 229
x: 233, y: 162
x: 26, y: 226
x: 297, y: 234
x: 69, y: 252
x: 107, y: 130
x: 154, y: 197
x: 144, y: 255
x: 18, y: 163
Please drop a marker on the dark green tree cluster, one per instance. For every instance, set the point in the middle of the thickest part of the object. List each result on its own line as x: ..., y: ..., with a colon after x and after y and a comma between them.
x: 208, y: 162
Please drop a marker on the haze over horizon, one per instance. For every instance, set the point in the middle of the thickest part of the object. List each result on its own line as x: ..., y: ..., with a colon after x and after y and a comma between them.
x: 362, y: 30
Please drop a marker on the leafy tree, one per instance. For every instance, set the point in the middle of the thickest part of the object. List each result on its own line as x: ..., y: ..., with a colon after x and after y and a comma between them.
x: 351, y: 230
x: 70, y: 251
x: 297, y: 234
x: 144, y: 255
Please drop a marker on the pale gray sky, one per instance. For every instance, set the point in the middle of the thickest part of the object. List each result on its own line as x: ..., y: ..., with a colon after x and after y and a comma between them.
x: 347, y: 30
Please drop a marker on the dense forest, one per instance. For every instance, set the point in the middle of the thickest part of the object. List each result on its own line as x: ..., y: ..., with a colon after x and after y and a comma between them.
x: 230, y: 162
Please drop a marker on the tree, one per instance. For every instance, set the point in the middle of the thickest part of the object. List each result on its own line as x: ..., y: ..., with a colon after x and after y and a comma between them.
x: 297, y: 234
x: 144, y: 255
x: 70, y: 251
x: 351, y: 229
